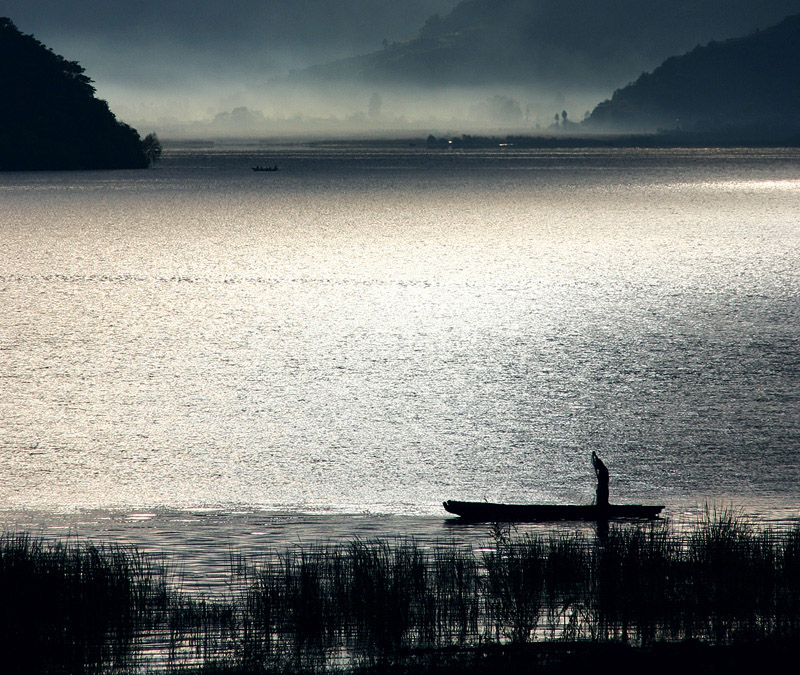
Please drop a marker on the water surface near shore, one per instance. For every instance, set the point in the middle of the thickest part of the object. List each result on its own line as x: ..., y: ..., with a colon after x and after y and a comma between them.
x: 372, y: 330
x: 201, y: 545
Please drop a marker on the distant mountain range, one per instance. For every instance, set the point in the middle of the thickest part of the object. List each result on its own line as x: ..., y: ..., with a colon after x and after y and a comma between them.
x: 748, y: 85
x: 548, y: 44
x: 50, y: 118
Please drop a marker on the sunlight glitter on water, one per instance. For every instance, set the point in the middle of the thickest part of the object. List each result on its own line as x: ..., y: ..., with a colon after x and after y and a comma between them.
x: 374, y: 332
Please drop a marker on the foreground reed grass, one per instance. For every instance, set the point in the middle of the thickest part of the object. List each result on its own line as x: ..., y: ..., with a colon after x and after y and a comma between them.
x: 65, y: 608
x: 368, y: 605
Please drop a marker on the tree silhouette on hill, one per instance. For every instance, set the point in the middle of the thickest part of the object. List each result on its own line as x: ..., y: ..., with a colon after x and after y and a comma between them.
x: 49, y: 115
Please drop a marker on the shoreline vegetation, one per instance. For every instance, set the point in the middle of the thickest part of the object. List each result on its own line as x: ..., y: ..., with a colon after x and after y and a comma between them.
x: 721, y: 593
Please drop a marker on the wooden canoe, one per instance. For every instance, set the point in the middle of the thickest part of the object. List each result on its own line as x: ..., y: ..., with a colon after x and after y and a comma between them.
x: 488, y: 512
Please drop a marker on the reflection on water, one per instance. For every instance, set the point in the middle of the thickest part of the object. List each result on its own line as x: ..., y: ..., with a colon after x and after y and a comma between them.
x: 375, y: 330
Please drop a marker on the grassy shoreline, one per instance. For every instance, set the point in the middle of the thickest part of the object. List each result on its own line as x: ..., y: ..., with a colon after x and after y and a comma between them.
x: 644, y: 594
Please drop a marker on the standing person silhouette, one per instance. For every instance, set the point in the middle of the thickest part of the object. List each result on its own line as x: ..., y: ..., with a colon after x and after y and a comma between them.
x: 602, y: 481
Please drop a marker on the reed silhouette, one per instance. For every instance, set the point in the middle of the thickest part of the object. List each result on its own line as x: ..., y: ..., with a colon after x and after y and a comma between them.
x: 375, y: 606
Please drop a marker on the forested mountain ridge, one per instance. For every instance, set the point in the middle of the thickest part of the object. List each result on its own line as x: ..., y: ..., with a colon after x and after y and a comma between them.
x: 750, y: 84
x: 49, y: 115
x: 548, y: 44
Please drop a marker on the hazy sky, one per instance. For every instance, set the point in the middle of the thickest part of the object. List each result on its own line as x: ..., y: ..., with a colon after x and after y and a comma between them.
x: 193, y: 58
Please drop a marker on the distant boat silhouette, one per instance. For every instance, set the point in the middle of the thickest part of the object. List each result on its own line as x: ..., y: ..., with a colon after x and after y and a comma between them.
x: 265, y: 168
x: 599, y: 511
x: 489, y: 512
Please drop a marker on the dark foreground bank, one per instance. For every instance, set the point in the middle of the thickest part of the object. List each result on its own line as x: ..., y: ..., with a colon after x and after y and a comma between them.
x: 722, y: 595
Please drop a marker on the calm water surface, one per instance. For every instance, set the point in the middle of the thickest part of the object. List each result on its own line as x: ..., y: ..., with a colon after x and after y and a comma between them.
x: 372, y: 330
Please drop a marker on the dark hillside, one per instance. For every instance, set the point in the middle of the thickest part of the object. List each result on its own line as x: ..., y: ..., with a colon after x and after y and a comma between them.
x: 49, y: 116
x: 749, y: 85
x: 549, y: 43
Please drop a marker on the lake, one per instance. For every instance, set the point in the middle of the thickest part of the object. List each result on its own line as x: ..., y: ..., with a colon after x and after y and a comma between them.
x: 348, y: 341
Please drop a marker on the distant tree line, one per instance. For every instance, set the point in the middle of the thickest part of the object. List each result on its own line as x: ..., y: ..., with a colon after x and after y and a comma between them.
x: 50, y: 117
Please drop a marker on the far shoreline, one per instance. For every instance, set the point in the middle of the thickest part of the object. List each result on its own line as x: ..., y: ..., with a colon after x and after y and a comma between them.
x: 457, y: 141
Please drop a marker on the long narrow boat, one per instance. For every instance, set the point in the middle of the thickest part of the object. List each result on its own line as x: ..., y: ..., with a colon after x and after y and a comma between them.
x: 488, y: 512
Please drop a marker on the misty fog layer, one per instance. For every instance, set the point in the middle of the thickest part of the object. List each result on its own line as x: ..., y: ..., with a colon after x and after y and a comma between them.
x: 272, y: 67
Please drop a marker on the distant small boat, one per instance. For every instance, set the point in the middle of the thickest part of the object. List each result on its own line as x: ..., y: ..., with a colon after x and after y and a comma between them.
x: 265, y: 168
x: 488, y: 512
